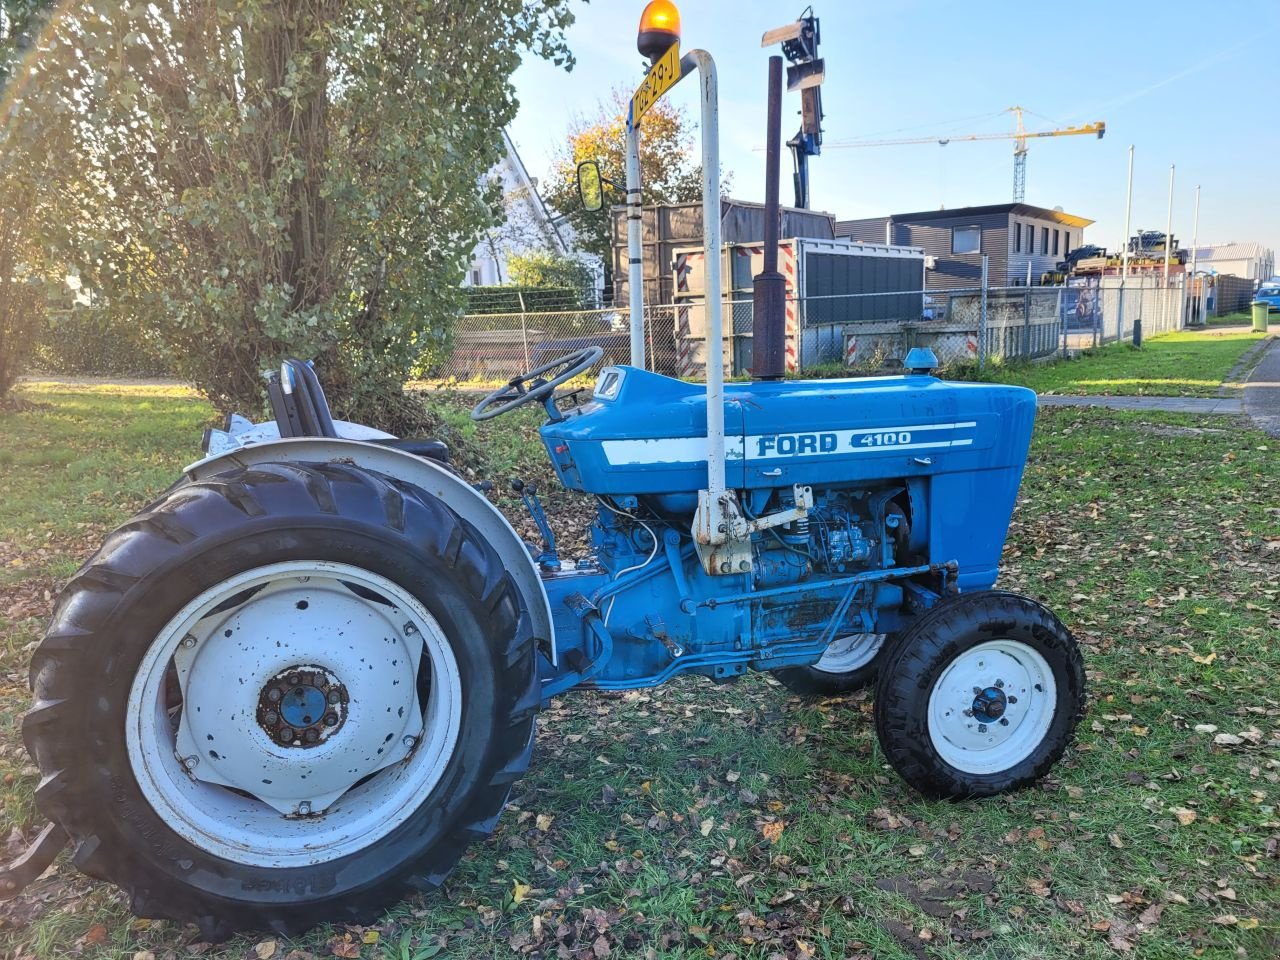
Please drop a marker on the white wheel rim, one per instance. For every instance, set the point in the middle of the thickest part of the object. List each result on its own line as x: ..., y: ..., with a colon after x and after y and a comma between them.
x: 850, y: 653
x: 366, y: 777
x: 972, y: 739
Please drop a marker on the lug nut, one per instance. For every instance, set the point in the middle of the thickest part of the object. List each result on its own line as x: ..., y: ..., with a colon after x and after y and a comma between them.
x: 286, y: 734
x: 304, y: 809
x: 976, y: 691
x: 335, y: 696
x: 1013, y: 699
x: 1004, y: 721
x: 982, y: 728
x: 312, y: 735
x: 272, y: 717
x: 273, y: 694
x: 189, y: 763
x: 331, y: 720
x: 189, y: 641
x: 410, y: 742
x: 1000, y: 684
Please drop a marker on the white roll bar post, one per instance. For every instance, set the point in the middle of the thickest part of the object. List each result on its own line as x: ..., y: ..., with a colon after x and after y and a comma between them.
x: 635, y: 253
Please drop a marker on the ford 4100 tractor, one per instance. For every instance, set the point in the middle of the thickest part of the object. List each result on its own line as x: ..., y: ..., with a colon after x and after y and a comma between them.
x: 302, y: 680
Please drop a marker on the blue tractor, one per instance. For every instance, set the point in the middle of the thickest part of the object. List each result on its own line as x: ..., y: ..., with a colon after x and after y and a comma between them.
x: 305, y: 678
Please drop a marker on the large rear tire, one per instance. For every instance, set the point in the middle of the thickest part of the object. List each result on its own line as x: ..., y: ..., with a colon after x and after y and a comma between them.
x: 979, y: 696
x: 213, y: 713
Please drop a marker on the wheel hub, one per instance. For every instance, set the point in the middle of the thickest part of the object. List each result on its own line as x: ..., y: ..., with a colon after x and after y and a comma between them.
x: 989, y: 705
x: 302, y: 707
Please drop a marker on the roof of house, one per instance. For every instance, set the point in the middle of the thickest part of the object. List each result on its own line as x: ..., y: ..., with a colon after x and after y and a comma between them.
x: 1021, y: 209
x: 526, y: 181
x: 1231, y: 251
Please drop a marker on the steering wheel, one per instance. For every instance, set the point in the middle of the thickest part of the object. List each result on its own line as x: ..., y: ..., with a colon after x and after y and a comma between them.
x: 562, y: 369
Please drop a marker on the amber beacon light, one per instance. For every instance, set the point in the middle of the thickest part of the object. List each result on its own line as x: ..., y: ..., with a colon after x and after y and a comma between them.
x: 659, y: 28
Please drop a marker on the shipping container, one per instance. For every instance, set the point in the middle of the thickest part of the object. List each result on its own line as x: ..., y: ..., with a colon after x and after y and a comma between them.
x: 831, y: 284
x: 664, y: 227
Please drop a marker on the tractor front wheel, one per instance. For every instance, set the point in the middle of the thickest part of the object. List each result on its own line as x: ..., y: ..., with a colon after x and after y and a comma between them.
x: 848, y: 664
x: 979, y: 696
x: 280, y: 696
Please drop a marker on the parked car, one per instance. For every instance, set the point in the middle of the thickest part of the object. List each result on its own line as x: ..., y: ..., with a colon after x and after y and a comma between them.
x: 1270, y: 292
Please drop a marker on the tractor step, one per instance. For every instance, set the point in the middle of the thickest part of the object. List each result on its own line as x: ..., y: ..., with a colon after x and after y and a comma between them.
x: 35, y: 860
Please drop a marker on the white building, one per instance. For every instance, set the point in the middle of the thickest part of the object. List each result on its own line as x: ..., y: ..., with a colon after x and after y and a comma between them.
x: 530, y: 225
x: 1252, y: 261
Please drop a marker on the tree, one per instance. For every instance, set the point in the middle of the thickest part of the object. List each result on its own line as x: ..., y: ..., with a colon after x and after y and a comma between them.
x: 260, y: 178
x: 22, y: 265
x: 543, y: 268
x: 668, y: 170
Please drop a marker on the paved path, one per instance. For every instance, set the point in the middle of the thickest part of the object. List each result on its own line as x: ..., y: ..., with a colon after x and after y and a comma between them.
x: 1203, y: 405
x: 1262, y: 391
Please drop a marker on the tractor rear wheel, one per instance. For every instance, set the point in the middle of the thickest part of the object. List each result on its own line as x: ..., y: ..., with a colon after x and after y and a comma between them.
x: 848, y: 664
x: 979, y: 696
x: 280, y: 696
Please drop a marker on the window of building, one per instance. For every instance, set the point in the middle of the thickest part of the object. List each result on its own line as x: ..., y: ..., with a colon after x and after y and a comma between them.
x: 966, y: 239
x: 475, y: 276
x: 1017, y: 238
x: 1055, y: 242
x: 1044, y: 240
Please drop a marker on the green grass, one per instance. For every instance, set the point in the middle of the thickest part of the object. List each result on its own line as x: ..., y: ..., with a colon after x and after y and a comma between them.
x: 1181, y: 364
x: 643, y: 826
x: 1231, y: 319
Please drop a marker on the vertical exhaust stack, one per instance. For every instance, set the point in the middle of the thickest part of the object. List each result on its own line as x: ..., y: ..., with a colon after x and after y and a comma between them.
x: 769, y: 295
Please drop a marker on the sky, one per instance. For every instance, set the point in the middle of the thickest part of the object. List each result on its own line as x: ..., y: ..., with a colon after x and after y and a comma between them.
x: 1195, y: 85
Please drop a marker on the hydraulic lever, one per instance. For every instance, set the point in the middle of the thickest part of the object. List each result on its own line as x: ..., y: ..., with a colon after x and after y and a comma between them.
x: 548, y: 559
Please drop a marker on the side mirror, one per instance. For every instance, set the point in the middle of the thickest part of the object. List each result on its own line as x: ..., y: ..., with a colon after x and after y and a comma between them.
x: 590, y: 186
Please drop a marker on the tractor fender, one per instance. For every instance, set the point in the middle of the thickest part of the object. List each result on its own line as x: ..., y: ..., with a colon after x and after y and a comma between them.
x: 456, y: 493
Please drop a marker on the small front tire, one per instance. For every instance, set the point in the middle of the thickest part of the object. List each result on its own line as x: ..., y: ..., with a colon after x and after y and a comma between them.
x: 849, y: 664
x: 980, y: 696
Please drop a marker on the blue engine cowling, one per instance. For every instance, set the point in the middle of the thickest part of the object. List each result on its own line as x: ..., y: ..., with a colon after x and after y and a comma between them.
x: 922, y: 466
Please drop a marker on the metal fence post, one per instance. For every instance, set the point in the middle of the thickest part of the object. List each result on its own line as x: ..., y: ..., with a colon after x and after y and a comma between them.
x: 982, y: 319
x: 524, y: 331
x: 1062, y: 322
x: 1026, y: 321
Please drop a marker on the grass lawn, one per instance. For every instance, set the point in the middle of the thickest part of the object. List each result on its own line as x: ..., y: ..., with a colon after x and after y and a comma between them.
x: 641, y: 829
x: 1181, y: 364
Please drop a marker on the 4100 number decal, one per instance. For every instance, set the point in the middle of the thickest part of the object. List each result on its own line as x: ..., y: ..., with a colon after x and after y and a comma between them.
x: 881, y: 439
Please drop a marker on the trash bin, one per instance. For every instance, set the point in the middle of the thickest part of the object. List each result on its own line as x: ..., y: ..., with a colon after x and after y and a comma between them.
x: 1260, y: 308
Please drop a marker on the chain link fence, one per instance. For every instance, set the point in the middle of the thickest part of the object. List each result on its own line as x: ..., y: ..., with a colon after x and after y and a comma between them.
x: 829, y: 335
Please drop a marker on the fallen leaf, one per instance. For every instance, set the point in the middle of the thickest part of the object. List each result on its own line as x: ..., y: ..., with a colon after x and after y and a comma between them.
x: 345, y: 949
x: 1227, y: 920
x: 1185, y: 816
x: 519, y: 891
x: 772, y: 831
x: 94, y: 935
x: 1227, y: 740
x: 1038, y: 886
x: 1151, y: 916
x: 916, y: 851
x: 1247, y: 923
x: 544, y: 821
x: 144, y: 955
x: 370, y: 936
x: 265, y: 950
x: 707, y: 826
x: 1206, y: 728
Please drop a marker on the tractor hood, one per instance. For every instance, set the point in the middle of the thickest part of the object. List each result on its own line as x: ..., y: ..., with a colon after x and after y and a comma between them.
x: 642, y: 432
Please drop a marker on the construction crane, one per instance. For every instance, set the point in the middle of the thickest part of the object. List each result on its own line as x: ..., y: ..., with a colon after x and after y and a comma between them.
x: 1020, y: 136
